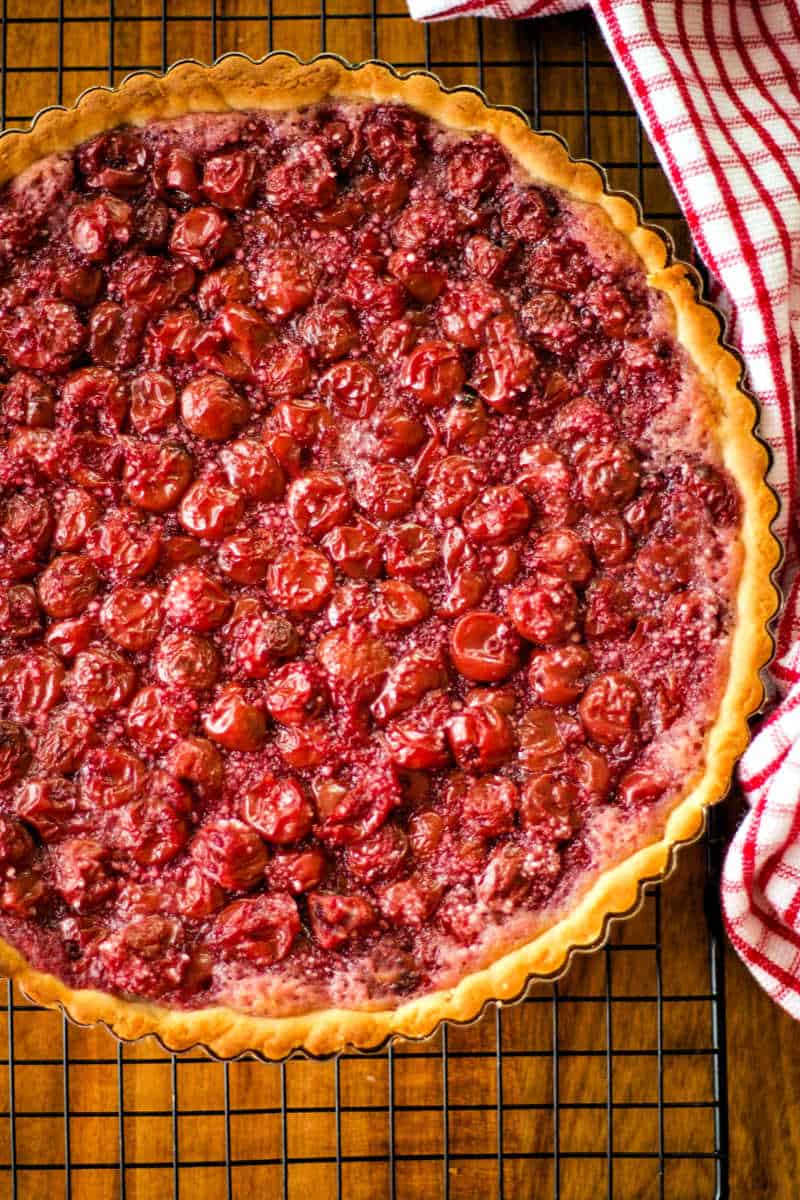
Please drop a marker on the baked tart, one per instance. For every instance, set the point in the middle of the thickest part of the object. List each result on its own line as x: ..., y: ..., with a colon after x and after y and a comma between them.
x: 385, y: 549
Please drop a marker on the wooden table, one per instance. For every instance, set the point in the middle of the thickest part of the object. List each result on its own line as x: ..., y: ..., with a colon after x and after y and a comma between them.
x: 173, y: 1112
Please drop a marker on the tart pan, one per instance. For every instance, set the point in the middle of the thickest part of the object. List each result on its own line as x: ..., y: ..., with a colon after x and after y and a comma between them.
x: 654, y: 862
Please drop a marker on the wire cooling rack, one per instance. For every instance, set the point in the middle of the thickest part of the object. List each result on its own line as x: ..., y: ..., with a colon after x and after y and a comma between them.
x: 610, y: 1083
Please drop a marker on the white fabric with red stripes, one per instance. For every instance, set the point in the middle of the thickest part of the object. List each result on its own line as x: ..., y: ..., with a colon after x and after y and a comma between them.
x: 717, y: 86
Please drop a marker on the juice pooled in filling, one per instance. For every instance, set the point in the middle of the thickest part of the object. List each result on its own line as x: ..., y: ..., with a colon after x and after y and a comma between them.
x: 367, y: 561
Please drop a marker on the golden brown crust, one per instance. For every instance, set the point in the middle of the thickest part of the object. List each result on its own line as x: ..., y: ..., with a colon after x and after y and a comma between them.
x: 281, y: 82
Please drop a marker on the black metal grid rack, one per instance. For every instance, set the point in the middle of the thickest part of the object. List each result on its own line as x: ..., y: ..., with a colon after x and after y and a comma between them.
x: 611, y: 1082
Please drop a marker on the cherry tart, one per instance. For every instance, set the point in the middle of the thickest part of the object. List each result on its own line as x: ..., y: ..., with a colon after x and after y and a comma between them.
x: 385, y: 556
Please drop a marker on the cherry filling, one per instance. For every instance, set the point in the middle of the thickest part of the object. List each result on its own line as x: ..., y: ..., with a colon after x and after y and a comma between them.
x: 366, y: 582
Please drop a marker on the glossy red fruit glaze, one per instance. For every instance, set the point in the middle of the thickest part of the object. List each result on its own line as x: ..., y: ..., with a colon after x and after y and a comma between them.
x: 83, y: 875
x: 26, y: 524
x: 78, y: 512
x: 608, y: 476
x: 65, y: 742
x: 234, y: 723
x: 433, y: 373
x: 398, y: 433
x: 329, y: 330
x: 590, y: 772
x: 31, y: 683
x: 355, y: 549
x: 230, y: 854
x: 610, y: 540
x: 131, y: 616
x: 562, y: 554
x: 229, y: 179
x: 245, y: 557
x: 197, y: 762
x: 414, y: 674
x: 252, y: 468
x: 465, y: 309
x: 259, y: 931
x: 101, y: 679
x: 34, y: 450
x: 67, y: 637
x: 417, y: 741
x: 67, y: 585
x: 385, y: 492
x: 278, y: 809
x: 81, y: 285
x: 50, y: 805
x: 379, y: 857
x: 212, y: 408
x: 16, y: 844
x: 296, y: 693
x: 211, y: 509
x: 664, y: 566
x: 201, y: 237
x: 544, y: 610
x: 285, y: 370
x: 305, y: 179
x: 235, y: 342
x: 14, y: 751
x: 484, y: 647
x: 297, y: 871
x: 489, y: 805
x: 503, y: 367
x: 481, y: 738
x: 156, y: 476
x: 124, y: 545
x: 609, y: 609
x: 93, y: 398
x: 410, y: 550
x: 98, y: 224
x: 145, y: 956
x: 541, y: 744
x: 558, y: 676
x: 224, y: 285
x: 547, y: 803
x: 20, y: 614
x: 28, y: 401
x: 498, y: 515
x: 400, y: 606
x: 352, y: 387
x: 155, y: 719
x: 354, y: 661
x: 153, y: 829
x: 47, y: 338
x: 418, y: 275
x: 111, y: 777
x: 195, y: 600
x: 283, y: 281
x: 466, y: 592
x: 318, y: 502
x: 456, y: 481
x: 300, y: 580
x: 180, y: 550
x: 259, y: 641
x: 507, y: 881
x: 336, y: 919
x: 306, y: 421
x: 610, y: 708
x: 154, y: 403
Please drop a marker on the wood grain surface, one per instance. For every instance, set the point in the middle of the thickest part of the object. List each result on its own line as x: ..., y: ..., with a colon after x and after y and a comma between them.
x: 79, y: 1100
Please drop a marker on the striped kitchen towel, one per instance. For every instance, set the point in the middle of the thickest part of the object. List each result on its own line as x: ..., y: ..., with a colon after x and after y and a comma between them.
x: 717, y: 86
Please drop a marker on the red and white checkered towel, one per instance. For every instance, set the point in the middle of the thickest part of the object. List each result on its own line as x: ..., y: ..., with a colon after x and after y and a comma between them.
x: 717, y: 85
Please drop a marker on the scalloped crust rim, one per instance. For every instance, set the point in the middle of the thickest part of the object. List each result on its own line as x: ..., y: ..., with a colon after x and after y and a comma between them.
x: 282, y: 82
